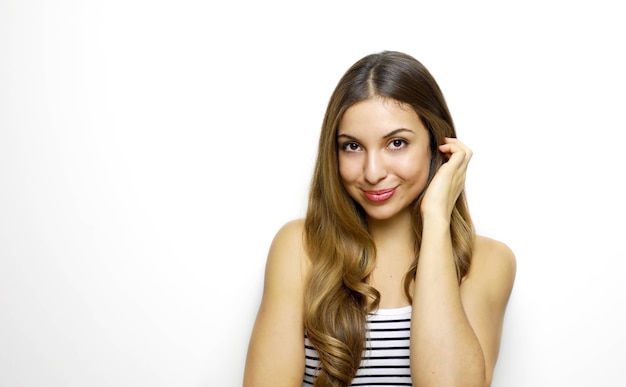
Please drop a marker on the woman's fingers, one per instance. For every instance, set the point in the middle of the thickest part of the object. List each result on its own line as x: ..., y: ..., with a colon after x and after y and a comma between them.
x: 457, y: 153
x: 453, y: 145
x: 449, y: 180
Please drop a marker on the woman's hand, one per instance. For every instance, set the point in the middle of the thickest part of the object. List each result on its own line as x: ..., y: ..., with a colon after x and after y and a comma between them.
x: 448, y: 182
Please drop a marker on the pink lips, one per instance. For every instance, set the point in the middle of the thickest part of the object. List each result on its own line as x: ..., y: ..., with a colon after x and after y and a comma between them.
x: 380, y: 195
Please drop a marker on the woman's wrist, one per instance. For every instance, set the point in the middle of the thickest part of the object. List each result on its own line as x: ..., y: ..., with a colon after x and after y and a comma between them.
x: 436, y: 220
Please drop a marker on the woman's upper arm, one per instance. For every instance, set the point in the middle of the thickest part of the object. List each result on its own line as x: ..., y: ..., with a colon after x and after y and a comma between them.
x: 485, y: 294
x: 276, y: 350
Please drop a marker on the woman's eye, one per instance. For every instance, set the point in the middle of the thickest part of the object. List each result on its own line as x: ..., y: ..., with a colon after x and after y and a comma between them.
x: 397, y: 143
x: 350, y: 147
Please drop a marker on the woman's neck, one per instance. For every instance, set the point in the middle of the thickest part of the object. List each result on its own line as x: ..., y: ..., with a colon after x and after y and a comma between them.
x: 395, y: 253
x: 394, y: 236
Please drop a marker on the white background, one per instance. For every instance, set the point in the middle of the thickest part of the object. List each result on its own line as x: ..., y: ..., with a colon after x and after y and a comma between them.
x: 149, y: 150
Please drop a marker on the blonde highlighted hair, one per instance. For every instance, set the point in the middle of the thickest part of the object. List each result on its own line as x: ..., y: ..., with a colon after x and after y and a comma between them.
x: 342, y: 253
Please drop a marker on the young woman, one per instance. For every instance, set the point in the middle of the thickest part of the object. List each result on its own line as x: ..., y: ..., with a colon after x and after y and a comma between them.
x: 384, y: 282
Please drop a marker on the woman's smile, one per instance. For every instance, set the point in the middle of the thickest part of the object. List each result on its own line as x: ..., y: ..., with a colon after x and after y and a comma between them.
x: 379, y: 195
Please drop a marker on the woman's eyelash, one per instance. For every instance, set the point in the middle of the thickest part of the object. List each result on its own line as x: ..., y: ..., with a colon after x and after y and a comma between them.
x: 350, y: 146
x: 398, y: 143
x: 395, y: 144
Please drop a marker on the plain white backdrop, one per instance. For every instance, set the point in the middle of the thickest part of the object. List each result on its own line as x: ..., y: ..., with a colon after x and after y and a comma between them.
x: 149, y: 150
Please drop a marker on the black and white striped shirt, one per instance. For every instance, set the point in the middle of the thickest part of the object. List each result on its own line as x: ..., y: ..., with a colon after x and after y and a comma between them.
x: 385, y: 359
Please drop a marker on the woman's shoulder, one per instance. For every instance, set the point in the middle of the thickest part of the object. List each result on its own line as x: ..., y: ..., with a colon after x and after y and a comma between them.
x: 493, y: 262
x: 489, y: 248
x: 288, y: 247
x: 290, y: 234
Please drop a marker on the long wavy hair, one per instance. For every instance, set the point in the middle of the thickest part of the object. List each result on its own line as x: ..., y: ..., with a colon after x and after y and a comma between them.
x: 342, y: 253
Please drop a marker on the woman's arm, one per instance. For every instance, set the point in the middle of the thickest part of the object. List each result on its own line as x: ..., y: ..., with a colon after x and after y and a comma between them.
x: 455, y: 330
x: 485, y: 294
x: 276, y: 350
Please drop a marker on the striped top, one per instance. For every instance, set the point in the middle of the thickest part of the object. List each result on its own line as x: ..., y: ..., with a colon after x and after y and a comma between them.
x: 385, y: 359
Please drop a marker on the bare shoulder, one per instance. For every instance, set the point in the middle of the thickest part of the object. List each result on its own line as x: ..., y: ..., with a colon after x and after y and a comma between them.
x: 291, y: 231
x: 287, y: 249
x: 290, y: 237
x: 276, y: 350
x: 493, y: 265
x: 486, y: 248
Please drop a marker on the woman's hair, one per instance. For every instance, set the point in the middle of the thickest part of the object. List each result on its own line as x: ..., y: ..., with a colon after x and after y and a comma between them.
x: 341, y: 250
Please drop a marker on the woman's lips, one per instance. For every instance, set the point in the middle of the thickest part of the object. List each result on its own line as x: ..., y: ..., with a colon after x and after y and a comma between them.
x: 379, y: 195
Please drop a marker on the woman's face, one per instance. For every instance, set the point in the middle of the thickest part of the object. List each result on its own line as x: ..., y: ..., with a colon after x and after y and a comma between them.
x: 384, y: 156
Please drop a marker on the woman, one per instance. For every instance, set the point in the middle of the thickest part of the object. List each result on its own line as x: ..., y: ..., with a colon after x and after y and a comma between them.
x: 384, y: 282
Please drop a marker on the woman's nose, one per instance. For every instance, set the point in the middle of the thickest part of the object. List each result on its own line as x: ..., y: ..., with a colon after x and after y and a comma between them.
x: 375, y: 169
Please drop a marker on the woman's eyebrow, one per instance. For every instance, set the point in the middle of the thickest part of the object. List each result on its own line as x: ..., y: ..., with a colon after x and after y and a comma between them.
x: 386, y: 136
x: 394, y: 132
x: 349, y: 137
